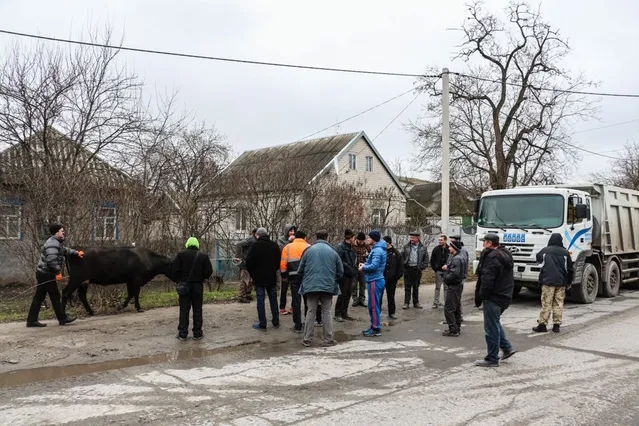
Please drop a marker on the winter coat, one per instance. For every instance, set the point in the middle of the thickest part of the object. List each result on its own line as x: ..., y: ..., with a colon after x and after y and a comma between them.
x: 456, y: 270
x: 263, y: 261
x: 439, y: 257
x: 361, y: 252
x: 184, y: 263
x: 376, y: 262
x: 349, y: 258
x: 292, y: 256
x: 557, y: 267
x: 320, y: 269
x: 242, y: 248
x: 496, y: 280
x: 52, y: 257
x: 394, y: 265
x: 283, y: 240
x: 422, y: 256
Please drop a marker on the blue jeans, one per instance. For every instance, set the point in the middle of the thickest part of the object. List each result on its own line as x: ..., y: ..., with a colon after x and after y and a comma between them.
x: 495, y: 335
x: 261, y: 293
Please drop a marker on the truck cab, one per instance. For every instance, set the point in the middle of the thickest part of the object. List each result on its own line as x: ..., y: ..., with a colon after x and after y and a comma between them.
x: 525, y: 217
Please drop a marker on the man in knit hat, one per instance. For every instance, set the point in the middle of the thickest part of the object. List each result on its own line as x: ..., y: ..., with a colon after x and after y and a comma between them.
x: 374, y: 273
x: 191, y: 267
x: 362, y: 248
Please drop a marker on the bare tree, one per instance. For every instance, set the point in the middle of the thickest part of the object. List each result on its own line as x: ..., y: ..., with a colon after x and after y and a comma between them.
x: 510, y: 113
x: 623, y: 171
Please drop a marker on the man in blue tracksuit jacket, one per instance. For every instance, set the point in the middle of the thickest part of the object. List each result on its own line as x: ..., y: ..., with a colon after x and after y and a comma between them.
x: 374, y: 273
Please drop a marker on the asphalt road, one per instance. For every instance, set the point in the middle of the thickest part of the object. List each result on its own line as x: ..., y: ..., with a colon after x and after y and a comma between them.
x: 586, y: 375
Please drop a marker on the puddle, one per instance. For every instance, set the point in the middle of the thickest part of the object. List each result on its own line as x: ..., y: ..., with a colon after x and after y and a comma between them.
x: 341, y: 336
x: 40, y: 374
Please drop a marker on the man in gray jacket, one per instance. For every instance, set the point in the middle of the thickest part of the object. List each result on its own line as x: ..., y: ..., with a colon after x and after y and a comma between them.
x: 320, y: 268
x: 454, y: 274
x: 48, y: 273
x: 415, y: 258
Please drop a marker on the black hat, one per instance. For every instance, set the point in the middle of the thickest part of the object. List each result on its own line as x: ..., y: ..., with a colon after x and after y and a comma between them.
x: 375, y: 235
x: 361, y: 236
x: 493, y: 238
x: 415, y: 234
x: 388, y: 239
x: 348, y: 233
x: 300, y: 234
x: 54, y: 228
x: 456, y: 245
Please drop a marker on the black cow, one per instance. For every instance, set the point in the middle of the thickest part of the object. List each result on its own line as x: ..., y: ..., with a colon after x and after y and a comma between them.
x: 134, y: 266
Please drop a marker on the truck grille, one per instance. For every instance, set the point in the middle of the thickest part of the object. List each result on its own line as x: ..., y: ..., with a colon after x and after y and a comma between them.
x: 522, y: 253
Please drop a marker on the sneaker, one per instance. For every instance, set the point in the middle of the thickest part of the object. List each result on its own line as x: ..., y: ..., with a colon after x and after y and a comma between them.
x: 276, y: 326
x: 67, y: 320
x: 295, y: 330
x: 283, y: 312
x: 349, y: 318
x: 556, y: 328
x: 36, y: 324
x: 329, y: 343
x: 484, y: 363
x: 355, y: 303
x: 508, y: 354
x: 259, y: 327
x: 392, y: 316
x: 417, y: 306
x: 372, y: 332
x: 339, y: 319
x: 362, y: 304
x: 306, y: 343
x: 435, y: 305
x: 198, y: 337
x: 541, y: 328
x: 319, y: 324
x: 406, y: 306
x: 180, y: 337
x: 290, y: 311
x: 449, y: 333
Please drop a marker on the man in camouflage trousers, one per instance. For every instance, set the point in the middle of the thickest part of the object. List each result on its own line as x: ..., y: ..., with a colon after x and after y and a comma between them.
x: 555, y: 277
x: 246, y: 283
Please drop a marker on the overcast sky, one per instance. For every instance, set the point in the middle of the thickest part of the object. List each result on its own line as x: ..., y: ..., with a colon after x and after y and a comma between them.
x: 261, y: 106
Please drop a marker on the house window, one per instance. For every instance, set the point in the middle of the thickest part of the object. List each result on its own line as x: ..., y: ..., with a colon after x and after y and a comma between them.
x: 106, y: 222
x: 369, y: 164
x: 10, y: 220
x: 352, y: 161
x: 378, y: 216
x: 240, y: 220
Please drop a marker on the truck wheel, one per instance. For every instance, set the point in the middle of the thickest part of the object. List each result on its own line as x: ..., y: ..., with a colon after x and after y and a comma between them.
x: 613, y: 280
x: 517, y: 289
x: 587, y: 291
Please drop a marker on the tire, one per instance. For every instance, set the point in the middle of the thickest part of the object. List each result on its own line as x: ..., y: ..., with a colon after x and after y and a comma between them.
x: 586, y: 293
x: 613, y: 280
x: 517, y: 289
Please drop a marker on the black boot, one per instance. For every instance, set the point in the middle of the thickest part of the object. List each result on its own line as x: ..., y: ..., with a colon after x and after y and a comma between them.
x: 541, y: 328
x: 555, y: 328
x: 35, y: 324
x: 67, y: 320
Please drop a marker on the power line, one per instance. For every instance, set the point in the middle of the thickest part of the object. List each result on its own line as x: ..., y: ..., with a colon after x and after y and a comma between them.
x: 215, y: 58
x: 607, y: 127
x: 358, y: 114
x: 574, y: 92
x: 397, y: 116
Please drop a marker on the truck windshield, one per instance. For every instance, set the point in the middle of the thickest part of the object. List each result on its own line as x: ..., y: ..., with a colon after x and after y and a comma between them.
x: 522, y: 210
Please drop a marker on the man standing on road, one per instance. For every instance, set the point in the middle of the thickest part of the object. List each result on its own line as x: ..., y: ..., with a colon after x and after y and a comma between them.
x: 374, y: 270
x: 246, y: 284
x: 438, y: 260
x: 392, y: 273
x: 555, y: 277
x: 48, y: 273
x: 289, y: 264
x: 454, y: 274
x: 415, y: 258
x: 287, y: 237
x: 495, y: 290
x: 464, y: 254
x: 349, y: 262
x: 263, y: 262
x: 359, y: 288
x: 191, y: 267
x: 320, y: 268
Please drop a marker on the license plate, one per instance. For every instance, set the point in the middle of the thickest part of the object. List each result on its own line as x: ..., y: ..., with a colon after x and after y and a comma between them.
x: 518, y: 274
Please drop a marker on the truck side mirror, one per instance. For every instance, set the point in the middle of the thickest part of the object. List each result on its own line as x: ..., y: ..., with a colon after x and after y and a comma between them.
x: 476, y: 212
x: 581, y: 211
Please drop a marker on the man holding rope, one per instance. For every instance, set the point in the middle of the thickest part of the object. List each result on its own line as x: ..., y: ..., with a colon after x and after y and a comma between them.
x: 48, y: 273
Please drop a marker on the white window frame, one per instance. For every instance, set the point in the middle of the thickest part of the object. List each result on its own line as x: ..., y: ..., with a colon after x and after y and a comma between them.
x: 369, y: 163
x: 6, y: 219
x: 377, y: 216
x: 103, y: 221
x: 352, y: 161
x: 241, y: 218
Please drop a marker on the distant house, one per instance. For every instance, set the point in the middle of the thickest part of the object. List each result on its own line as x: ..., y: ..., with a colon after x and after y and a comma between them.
x: 425, y: 202
x: 276, y: 179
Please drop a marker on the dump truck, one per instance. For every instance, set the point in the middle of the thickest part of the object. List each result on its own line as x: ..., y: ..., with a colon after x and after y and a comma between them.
x: 599, y: 225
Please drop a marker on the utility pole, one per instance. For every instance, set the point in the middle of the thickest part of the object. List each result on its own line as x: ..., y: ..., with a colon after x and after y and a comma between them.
x: 445, y: 152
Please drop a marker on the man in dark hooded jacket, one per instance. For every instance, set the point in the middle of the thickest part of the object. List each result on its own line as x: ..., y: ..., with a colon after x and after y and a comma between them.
x: 263, y: 263
x: 288, y: 235
x: 555, y: 276
x: 495, y: 290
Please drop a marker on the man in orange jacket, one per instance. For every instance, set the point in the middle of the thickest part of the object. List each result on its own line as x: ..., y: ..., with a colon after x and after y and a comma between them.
x: 290, y: 262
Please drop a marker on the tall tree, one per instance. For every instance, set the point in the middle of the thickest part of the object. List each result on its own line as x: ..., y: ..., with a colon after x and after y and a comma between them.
x: 511, y: 111
x: 624, y: 170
